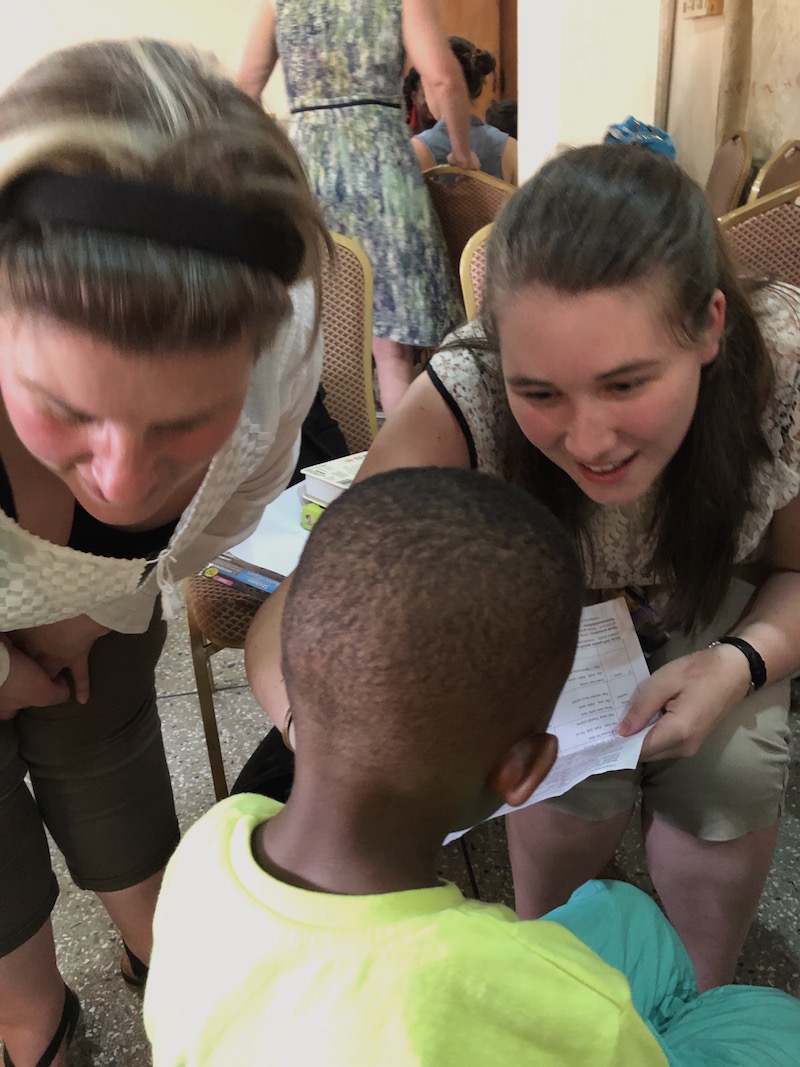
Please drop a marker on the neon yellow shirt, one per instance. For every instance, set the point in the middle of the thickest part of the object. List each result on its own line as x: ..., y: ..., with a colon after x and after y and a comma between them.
x: 248, y: 970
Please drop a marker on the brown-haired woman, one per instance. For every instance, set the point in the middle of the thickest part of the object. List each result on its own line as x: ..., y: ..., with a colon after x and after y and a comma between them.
x: 495, y: 149
x: 622, y: 373
x: 159, y: 286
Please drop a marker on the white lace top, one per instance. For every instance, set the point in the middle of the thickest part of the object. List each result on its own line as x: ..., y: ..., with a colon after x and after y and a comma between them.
x: 41, y: 582
x: 621, y: 548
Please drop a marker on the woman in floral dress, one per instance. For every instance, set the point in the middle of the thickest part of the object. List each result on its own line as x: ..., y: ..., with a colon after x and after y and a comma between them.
x: 343, y: 63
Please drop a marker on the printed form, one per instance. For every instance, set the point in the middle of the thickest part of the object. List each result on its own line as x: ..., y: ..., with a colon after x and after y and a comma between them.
x: 608, y: 668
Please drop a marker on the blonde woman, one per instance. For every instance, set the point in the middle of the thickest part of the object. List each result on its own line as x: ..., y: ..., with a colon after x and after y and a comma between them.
x: 159, y: 266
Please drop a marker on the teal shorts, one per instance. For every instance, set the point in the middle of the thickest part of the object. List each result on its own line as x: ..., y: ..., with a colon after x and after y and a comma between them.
x: 734, y: 1025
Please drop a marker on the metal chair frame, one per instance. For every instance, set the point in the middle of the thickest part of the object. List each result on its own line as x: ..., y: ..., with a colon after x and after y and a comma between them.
x: 781, y: 169
x: 734, y: 185
x: 218, y: 617
x: 764, y: 235
x: 464, y: 205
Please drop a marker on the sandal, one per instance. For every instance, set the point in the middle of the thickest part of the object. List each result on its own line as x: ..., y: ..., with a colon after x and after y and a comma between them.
x: 139, y: 970
x: 66, y: 1028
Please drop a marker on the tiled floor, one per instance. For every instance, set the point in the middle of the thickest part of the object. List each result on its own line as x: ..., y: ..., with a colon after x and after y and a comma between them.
x: 111, y: 1032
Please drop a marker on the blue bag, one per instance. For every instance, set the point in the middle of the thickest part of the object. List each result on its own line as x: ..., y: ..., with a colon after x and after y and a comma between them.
x: 632, y: 131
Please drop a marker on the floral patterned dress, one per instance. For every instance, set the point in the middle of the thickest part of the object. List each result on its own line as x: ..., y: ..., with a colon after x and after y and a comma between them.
x: 343, y: 64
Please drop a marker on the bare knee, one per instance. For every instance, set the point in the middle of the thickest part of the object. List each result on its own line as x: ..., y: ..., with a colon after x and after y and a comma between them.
x: 553, y: 852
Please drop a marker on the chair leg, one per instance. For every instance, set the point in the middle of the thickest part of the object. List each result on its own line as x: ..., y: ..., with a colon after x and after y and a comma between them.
x: 200, y: 662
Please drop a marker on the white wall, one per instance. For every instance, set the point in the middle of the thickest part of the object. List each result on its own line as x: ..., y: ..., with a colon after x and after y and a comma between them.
x: 694, y: 89
x: 39, y: 26
x: 774, y: 110
x: 774, y: 104
x: 582, y: 66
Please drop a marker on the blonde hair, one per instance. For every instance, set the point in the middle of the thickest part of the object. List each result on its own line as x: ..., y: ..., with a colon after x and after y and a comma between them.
x: 153, y: 112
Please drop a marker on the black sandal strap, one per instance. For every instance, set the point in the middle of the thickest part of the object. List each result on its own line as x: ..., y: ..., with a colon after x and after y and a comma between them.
x: 139, y: 969
x: 66, y: 1028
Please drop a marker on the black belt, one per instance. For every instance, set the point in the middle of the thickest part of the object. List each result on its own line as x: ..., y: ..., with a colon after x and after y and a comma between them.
x: 345, y: 103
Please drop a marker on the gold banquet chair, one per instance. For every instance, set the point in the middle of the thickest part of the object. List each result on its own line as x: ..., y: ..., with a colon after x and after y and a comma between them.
x: 765, y: 236
x: 781, y: 169
x: 220, y: 617
x: 729, y: 171
x: 472, y: 271
x: 466, y: 205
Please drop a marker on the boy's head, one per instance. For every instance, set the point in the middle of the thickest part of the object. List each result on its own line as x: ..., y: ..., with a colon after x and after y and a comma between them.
x: 429, y: 628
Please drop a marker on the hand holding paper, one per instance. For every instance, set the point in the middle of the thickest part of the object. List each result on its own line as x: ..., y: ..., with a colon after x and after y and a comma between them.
x: 608, y: 669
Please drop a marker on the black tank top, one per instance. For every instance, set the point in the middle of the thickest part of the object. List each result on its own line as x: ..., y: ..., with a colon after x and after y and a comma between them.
x: 90, y: 535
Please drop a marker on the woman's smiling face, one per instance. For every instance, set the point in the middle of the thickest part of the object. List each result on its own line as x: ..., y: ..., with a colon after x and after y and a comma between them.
x: 127, y: 432
x: 598, y: 382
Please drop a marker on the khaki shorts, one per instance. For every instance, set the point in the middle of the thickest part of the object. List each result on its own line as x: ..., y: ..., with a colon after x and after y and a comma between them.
x: 99, y: 781
x: 734, y: 784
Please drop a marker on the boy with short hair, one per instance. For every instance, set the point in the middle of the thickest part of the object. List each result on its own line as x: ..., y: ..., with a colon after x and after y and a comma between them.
x: 430, y: 626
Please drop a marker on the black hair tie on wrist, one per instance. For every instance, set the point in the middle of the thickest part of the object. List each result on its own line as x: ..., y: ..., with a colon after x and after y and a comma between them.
x: 758, y: 669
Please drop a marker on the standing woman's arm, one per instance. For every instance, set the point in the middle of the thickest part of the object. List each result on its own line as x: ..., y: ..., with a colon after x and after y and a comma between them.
x: 260, y: 52
x: 445, y: 88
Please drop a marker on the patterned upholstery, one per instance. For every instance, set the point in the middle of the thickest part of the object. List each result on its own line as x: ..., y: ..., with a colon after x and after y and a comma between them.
x: 223, y: 615
x: 220, y: 617
x: 347, y: 342
x: 781, y: 169
x: 472, y: 270
x: 729, y: 171
x: 464, y: 206
x: 765, y: 235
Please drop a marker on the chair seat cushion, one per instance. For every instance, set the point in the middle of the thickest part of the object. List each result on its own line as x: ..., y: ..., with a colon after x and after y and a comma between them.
x: 223, y: 614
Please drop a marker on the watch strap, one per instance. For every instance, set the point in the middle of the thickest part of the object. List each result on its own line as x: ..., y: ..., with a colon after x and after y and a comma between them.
x: 758, y: 669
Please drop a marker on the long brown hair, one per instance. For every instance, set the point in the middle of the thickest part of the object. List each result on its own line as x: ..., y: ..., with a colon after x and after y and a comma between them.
x: 607, y: 216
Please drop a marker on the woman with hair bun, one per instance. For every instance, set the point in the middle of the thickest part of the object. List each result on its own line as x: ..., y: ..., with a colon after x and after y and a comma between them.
x: 496, y: 151
x: 418, y: 115
x: 160, y: 259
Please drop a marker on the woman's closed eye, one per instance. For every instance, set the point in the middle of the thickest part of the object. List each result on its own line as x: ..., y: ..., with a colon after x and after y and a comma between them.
x: 539, y: 396
x: 625, y: 386
x: 68, y: 417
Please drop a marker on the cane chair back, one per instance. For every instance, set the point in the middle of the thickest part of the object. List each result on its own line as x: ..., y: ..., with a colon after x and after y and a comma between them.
x: 472, y: 270
x: 765, y: 236
x: 347, y: 343
x: 729, y: 171
x: 220, y: 617
x: 465, y: 201
x: 781, y: 169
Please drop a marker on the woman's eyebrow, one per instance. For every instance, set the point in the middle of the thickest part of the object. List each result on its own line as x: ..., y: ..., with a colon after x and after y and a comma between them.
x: 628, y: 368
x: 181, y: 423
x: 633, y: 367
x: 42, y: 391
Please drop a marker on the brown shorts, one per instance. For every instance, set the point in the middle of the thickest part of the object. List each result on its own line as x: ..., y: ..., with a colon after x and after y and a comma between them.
x: 734, y: 784
x: 99, y: 781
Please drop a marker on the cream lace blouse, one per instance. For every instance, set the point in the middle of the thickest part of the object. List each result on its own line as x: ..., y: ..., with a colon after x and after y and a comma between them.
x: 621, y: 548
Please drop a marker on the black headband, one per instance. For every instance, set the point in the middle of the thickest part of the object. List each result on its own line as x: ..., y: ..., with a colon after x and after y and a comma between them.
x: 157, y: 212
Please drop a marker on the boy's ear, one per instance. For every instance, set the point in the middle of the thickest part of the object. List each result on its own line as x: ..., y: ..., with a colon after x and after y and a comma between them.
x: 524, y: 766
